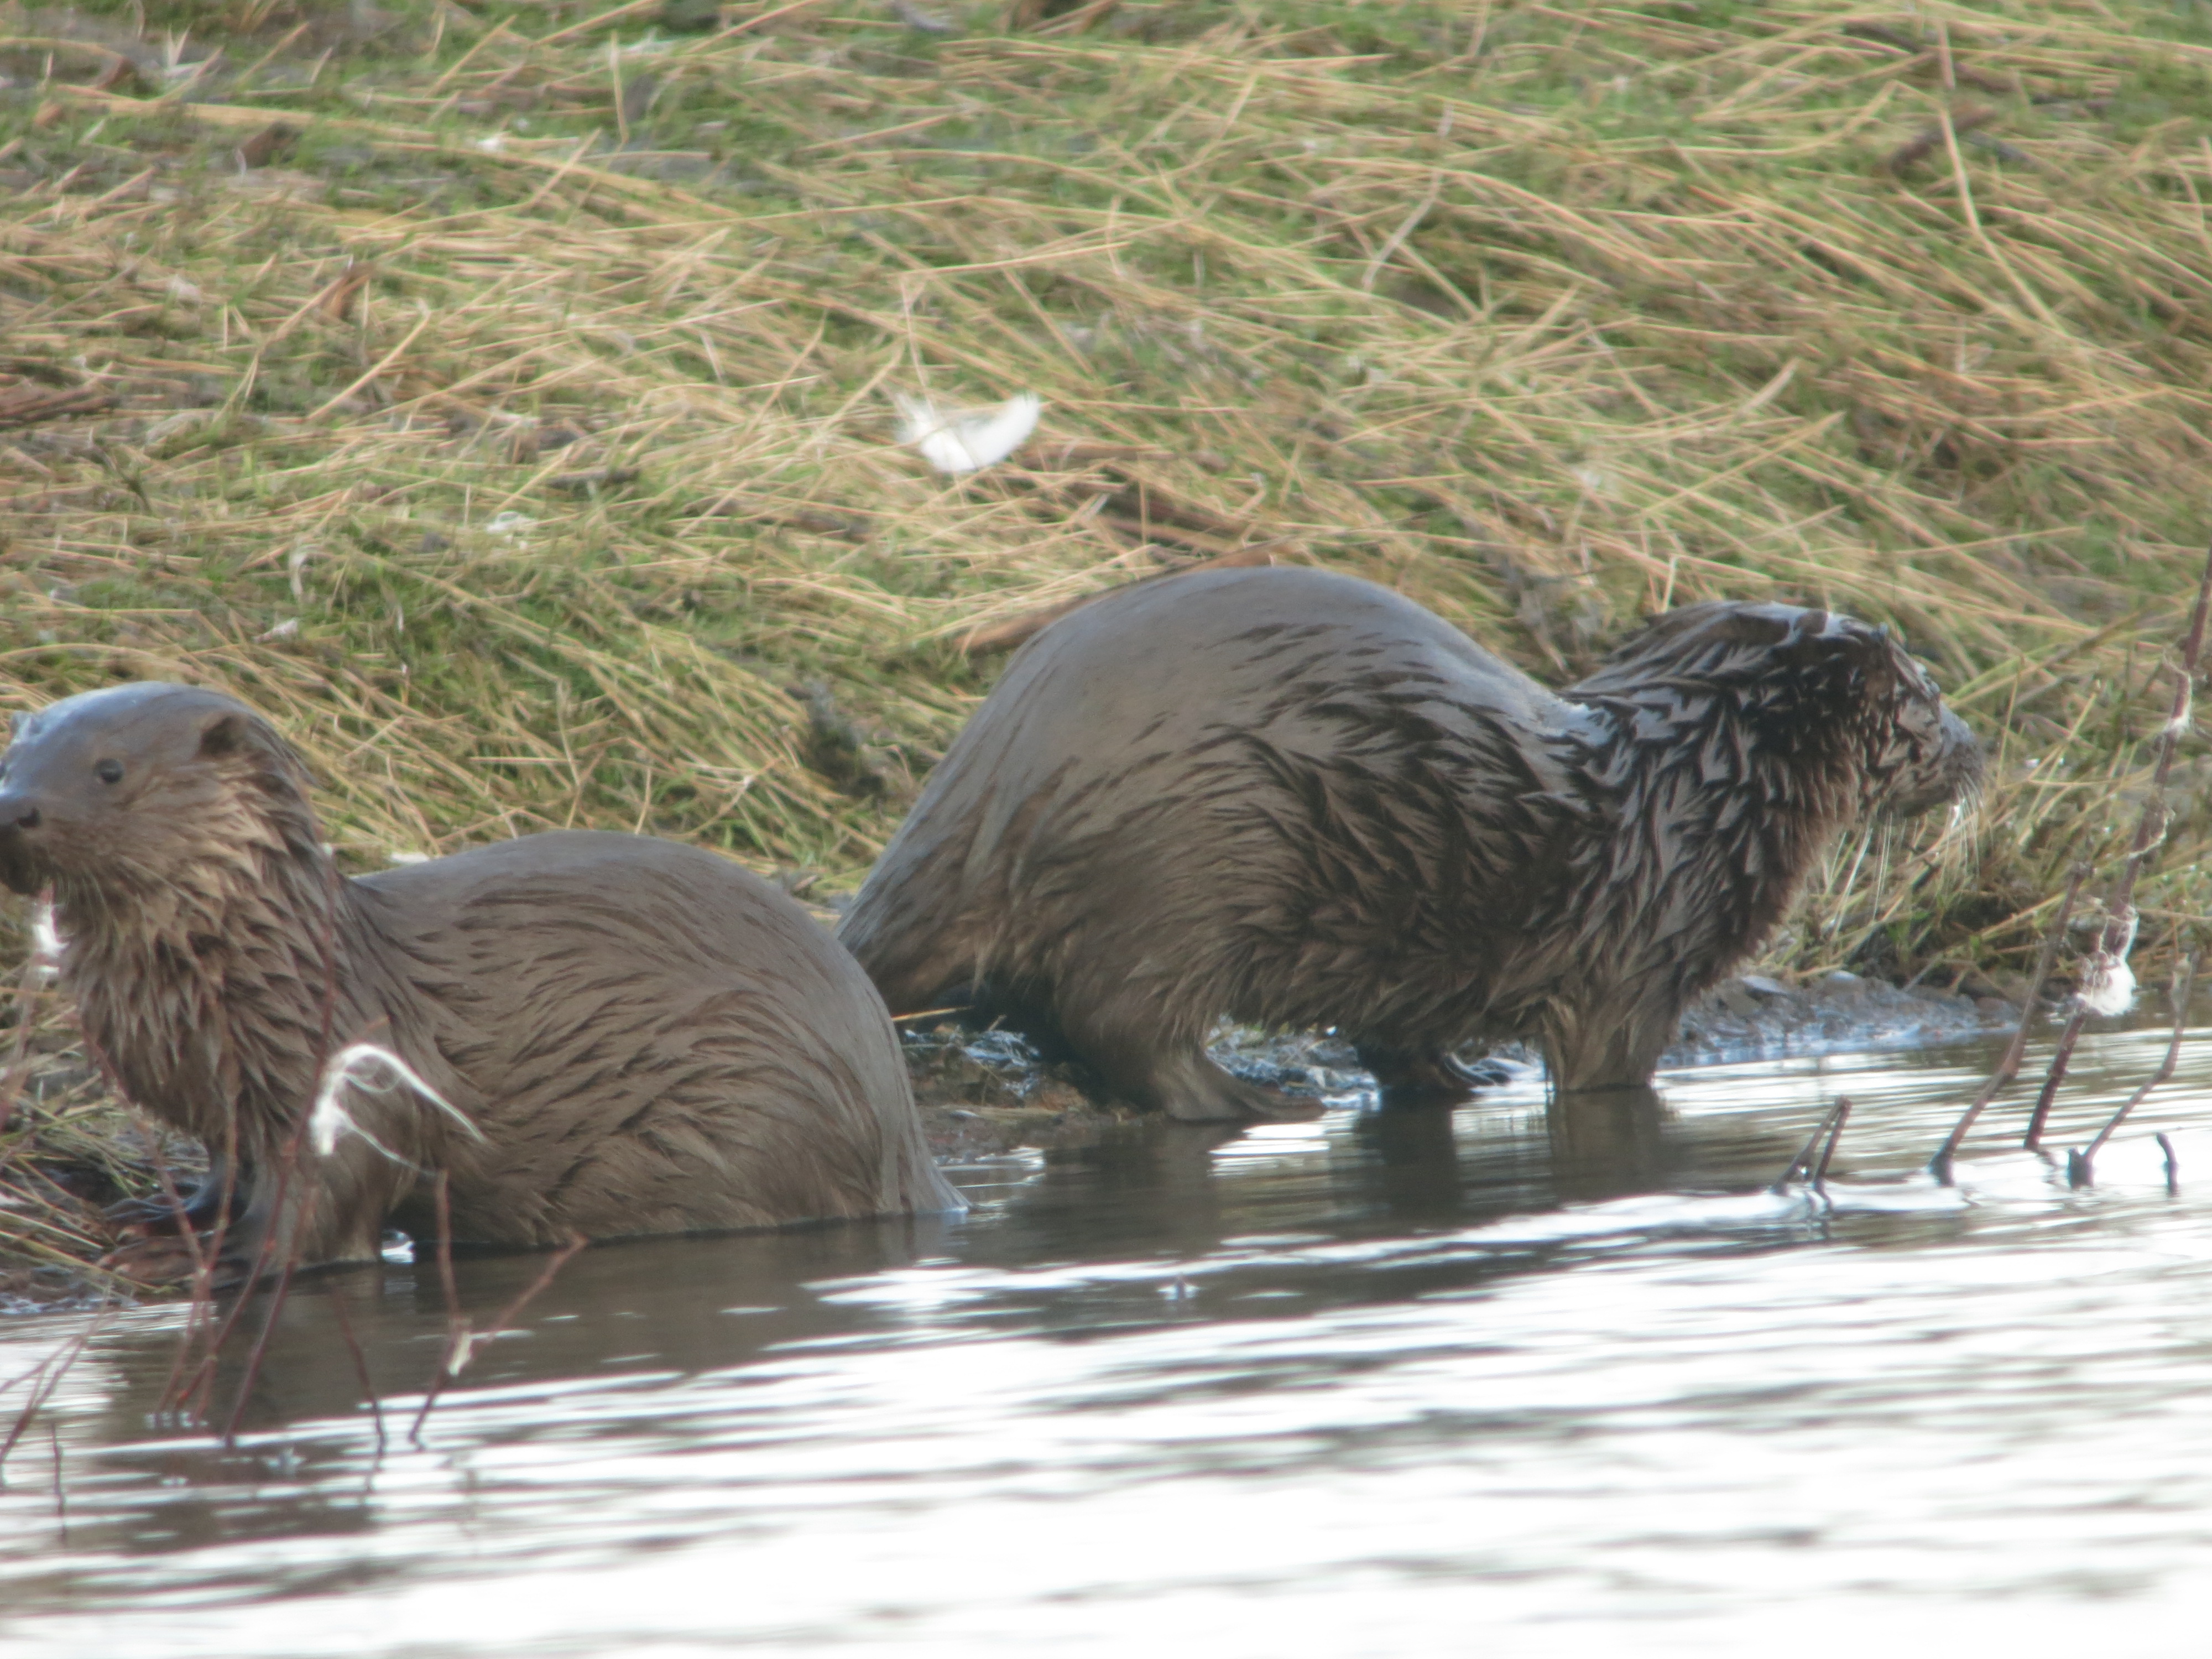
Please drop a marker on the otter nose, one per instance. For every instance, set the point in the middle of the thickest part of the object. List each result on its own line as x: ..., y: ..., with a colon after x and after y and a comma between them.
x: 17, y: 812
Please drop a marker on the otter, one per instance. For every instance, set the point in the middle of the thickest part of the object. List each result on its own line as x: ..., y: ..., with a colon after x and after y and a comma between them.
x: 616, y: 1035
x: 1299, y: 800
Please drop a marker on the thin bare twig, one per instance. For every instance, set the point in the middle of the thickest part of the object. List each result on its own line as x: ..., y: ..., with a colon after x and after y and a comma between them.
x: 198, y: 1320
x: 61, y: 1497
x: 506, y: 1317
x: 261, y: 1350
x: 339, y: 1304
x: 455, y: 1325
x: 461, y: 1337
x: 47, y: 1376
x: 2119, y: 930
x: 292, y: 1229
x: 1837, y: 1118
x: 2081, y: 1161
x: 1810, y: 1155
x: 18, y: 1067
x: 2008, y: 1067
x: 203, y: 1384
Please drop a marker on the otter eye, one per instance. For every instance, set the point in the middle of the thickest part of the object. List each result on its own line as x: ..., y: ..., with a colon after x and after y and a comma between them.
x: 109, y: 771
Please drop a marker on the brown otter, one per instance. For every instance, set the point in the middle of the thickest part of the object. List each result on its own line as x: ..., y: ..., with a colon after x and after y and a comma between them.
x: 641, y: 1037
x: 1300, y: 801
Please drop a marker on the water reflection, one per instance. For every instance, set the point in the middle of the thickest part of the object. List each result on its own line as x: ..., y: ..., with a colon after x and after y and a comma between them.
x: 1358, y: 1385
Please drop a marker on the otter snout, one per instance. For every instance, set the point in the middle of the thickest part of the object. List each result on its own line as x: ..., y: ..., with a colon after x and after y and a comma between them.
x: 1950, y: 776
x: 20, y: 819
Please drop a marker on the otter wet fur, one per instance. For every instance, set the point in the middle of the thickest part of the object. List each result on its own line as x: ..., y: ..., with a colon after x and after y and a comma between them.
x: 1299, y: 800
x: 641, y: 1037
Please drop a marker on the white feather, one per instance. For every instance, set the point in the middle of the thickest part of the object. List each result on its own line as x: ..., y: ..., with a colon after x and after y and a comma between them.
x: 46, y: 939
x: 2177, y: 728
x: 377, y: 1071
x: 2108, y: 985
x: 967, y: 439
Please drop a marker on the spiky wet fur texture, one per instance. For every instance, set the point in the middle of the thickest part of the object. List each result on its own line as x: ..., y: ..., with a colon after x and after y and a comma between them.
x: 1299, y: 800
x: 645, y: 1038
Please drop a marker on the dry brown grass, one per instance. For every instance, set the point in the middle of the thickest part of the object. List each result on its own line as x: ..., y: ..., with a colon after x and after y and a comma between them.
x: 1549, y: 316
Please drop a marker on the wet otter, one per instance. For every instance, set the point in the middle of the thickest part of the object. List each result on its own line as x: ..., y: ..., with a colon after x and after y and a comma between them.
x: 1299, y: 800
x: 641, y: 1037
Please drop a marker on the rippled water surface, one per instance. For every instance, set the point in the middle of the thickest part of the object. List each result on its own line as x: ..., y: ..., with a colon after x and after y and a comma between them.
x: 1405, y: 1384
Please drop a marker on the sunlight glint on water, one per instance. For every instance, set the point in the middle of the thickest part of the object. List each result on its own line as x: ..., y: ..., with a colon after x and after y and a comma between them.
x: 1372, y: 1386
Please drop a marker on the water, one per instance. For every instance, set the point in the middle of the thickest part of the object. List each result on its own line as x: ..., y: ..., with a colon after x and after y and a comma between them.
x: 1412, y: 1386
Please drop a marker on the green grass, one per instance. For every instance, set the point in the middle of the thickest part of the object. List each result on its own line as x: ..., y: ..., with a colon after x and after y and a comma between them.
x: 1549, y: 316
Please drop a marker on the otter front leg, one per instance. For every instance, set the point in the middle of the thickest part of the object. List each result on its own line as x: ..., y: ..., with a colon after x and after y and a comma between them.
x: 1424, y: 1077
x: 166, y: 1241
x: 216, y: 1200
x: 1168, y: 1070
x: 1610, y: 1047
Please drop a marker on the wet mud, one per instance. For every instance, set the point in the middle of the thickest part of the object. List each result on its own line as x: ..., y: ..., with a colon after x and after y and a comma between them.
x: 988, y: 1091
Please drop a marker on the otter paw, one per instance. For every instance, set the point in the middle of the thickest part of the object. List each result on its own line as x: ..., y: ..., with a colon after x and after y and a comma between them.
x: 1227, y: 1099
x: 156, y: 1214
x: 159, y: 1261
x: 1430, y: 1078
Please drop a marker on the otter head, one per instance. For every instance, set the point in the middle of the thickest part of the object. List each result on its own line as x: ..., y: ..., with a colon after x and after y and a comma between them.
x: 1814, y: 692
x: 139, y: 788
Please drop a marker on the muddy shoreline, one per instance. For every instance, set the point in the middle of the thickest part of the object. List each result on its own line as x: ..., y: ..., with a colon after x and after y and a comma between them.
x: 983, y: 1093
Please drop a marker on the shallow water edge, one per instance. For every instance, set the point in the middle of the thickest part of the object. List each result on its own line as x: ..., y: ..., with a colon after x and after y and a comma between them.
x: 1357, y: 1386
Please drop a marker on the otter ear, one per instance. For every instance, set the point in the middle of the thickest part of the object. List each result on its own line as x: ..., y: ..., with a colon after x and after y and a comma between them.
x: 226, y: 734
x: 266, y: 759
x: 1872, y: 653
x: 1817, y: 626
x: 1834, y: 631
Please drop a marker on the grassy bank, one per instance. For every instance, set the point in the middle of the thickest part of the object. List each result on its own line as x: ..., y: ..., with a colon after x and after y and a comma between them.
x: 499, y: 394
